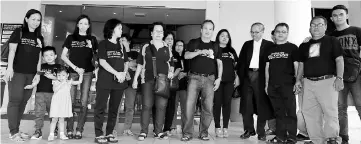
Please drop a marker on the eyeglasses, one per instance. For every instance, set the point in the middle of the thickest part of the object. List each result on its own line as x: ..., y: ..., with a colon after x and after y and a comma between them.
x: 160, y: 32
x: 284, y: 32
x: 317, y: 25
x: 256, y: 32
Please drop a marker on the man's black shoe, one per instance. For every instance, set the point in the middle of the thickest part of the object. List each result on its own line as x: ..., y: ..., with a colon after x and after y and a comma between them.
x: 262, y: 138
x: 301, y: 137
x: 247, y: 134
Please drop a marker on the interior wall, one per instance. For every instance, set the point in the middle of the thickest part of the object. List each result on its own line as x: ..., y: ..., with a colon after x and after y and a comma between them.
x: 188, y: 32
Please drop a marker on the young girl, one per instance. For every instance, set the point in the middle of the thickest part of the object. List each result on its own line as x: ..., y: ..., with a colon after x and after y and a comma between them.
x: 61, y: 106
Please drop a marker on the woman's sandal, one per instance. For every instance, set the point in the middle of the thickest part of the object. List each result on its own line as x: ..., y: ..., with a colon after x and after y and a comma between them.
x: 142, y: 136
x: 101, y: 140
x: 111, y: 138
x: 78, y: 135
x: 70, y: 135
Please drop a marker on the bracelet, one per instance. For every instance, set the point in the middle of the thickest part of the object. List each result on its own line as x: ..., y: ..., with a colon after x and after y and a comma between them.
x: 75, y: 68
x: 338, y: 77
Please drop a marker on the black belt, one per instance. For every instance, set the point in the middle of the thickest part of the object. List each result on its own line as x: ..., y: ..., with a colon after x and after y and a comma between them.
x: 320, y: 78
x: 205, y: 75
x: 253, y: 69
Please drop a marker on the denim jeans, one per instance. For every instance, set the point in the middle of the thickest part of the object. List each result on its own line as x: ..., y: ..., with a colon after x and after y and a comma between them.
x: 355, y: 89
x: 196, y: 84
x: 18, y: 98
x: 129, y: 102
x: 42, y: 105
x: 148, y: 100
x: 84, y: 89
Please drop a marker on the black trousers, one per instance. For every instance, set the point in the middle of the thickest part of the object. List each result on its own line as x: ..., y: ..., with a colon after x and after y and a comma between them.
x: 222, y: 100
x: 169, y: 114
x: 253, y: 90
x: 284, y: 105
x: 99, y: 110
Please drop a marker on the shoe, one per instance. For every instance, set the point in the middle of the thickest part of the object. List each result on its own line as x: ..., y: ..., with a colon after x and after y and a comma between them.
x: 301, y: 137
x: 168, y: 133
x: 275, y: 140
x: 219, y: 132
x: 51, y: 137
x: 332, y: 141
x: 291, y: 141
x: 37, y: 135
x: 111, y: 138
x: 24, y: 135
x: 78, y: 135
x: 270, y: 132
x: 142, y: 136
x: 225, y: 132
x: 204, y: 138
x: 262, y: 138
x: 101, y: 140
x: 128, y: 132
x: 186, y: 138
x: 16, y: 138
x: 308, y: 142
x: 62, y: 136
x: 70, y: 135
x: 247, y: 134
x: 161, y: 136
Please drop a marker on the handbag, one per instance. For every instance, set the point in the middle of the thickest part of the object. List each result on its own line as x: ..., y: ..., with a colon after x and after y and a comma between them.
x: 174, y: 84
x: 161, y: 86
x: 352, y: 69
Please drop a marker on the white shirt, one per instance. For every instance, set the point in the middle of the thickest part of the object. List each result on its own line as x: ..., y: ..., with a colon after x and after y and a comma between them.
x: 255, y: 54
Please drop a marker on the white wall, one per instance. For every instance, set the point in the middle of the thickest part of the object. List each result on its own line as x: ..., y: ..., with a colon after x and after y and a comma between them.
x: 327, y: 3
x: 14, y: 11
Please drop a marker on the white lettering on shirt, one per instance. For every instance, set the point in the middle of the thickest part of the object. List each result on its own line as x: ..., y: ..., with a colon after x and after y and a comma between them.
x: 348, y: 42
x: 278, y: 55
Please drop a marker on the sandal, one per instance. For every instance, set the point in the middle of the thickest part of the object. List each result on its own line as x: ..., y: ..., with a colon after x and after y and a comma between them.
x: 16, y: 138
x: 78, y: 135
x: 101, y: 140
x: 142, y: 136
x: 111, y: 138
x: 70, y: 135
x: 186, y: 138
x: 275, y: 140
x: 161, y: 136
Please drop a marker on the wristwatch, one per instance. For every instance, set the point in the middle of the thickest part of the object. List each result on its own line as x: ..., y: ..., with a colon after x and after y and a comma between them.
x: 338, y: 77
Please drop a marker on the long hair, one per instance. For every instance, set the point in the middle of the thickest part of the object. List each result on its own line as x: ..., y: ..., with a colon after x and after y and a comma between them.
x: 229, y: 44
x: 184, y: 48
x: 76, y: 30
x: 25, y: 27
x: 109, y: 28
x: 166, y: 34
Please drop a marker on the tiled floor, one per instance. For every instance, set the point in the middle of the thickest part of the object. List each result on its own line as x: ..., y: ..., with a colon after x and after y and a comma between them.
x: 235, y: 129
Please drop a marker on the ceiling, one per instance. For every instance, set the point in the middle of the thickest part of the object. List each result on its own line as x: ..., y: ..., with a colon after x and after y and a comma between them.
x: 128, y: 14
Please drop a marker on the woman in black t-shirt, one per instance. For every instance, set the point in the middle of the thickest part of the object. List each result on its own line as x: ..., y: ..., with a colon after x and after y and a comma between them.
x: 223, y: 96
x: 145, y: 66
x: 24, y: 61
x: 111, y: 83
x: 78, y: 52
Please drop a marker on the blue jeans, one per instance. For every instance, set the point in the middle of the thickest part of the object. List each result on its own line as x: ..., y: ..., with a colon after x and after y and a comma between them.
x: 204, y: 85
x: 84, y: 89
x: 355, y: 89
x: 42, y: 105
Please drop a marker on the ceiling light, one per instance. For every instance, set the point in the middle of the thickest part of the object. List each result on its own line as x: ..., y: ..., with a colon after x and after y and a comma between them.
x: 60, y: 11
x: 114, y: 13
x: 56, y: 36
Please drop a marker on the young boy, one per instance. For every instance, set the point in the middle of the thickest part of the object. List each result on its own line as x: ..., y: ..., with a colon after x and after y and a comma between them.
x: 44, y: 91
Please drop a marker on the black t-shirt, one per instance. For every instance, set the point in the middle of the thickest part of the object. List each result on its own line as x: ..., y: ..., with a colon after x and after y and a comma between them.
x: 27, y: 53
x: 319, y: 56
x: 116, y: 58
x: 163, y: 61
x: 45, y: 84
x: 79, y: 52
x: 204, y: 64
x: 281, y: 68
x: 229, y: 58
x: 350, y: 39
x: 177, y: 60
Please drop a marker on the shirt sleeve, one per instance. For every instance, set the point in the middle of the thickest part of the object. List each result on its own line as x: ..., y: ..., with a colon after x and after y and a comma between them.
x: 301, y: 53
x: 337, y: 49
x: 295, y: 55
x: 67, y: 42
x: 125, y: 55
x: 102, y: 54
x: 15, y: 36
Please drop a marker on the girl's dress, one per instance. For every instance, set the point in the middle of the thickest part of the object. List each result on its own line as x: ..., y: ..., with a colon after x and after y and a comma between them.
x: 61, y: 101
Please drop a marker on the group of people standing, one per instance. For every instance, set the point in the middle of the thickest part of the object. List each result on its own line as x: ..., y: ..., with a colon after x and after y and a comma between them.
x: 268, y: 75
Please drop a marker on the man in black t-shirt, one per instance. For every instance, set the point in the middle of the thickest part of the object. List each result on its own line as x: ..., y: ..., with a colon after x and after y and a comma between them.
x: 321, y: 67
x: 205, y: 65
x: 350, y: 39
x: 281, y: 66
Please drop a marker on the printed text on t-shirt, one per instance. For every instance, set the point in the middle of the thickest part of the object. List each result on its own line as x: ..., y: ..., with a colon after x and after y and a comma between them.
x: 115, y: 54
x: 348, y: 42
x: 278, y: 55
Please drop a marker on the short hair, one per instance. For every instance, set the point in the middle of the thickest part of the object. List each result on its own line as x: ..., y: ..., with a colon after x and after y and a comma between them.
x: 207, y: 21
x: 273, y: 32
x: 282, y: 24
x: 48, y: 48
x: 126, y: 36
x: 155, y: 24
x: 109, y: 27
x: 133, y: 54
x: 167, y: 33
x: 342, y: 7
x: 62, y: 69
x: 319, y: 17
x: 258, y: 23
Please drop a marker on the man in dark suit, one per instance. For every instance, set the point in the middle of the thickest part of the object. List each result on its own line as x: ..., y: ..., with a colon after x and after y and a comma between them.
x: 251, y: 72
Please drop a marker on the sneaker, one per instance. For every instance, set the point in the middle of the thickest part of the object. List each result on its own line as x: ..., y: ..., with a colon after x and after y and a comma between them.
x: 51, y: 137
x: 219, y: 132
x: 37, y: 135
x: 24, y: 135
x: 225, y: 132
x: 301, y: 137
x: 332, y: 141
x: 16, y: 137
x: 168, y: 133
x: 128, y: 132
x: 142, y: 136
x: 161, y: 136
x: 62, y: 136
